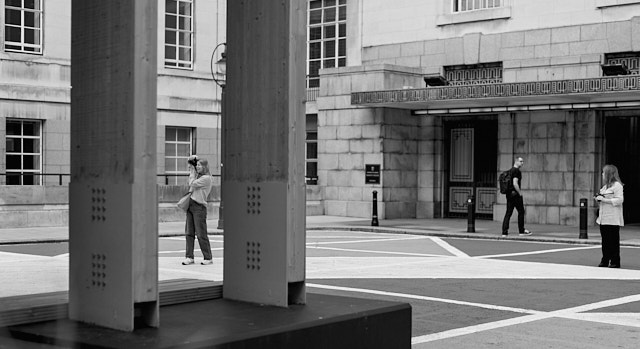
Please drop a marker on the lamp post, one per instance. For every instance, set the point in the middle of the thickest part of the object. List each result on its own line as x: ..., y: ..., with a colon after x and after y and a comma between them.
x: 219, y: 77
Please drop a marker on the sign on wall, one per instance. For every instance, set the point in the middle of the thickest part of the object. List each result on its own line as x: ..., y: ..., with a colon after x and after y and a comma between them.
x: 372, y: 173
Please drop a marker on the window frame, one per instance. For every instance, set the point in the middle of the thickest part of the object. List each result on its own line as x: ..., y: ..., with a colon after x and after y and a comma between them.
x: 449, y: 15
x: 174, y: 180
x: 311, y: 128
x: 326, y: 44
x: 177, y: 62
x: 21, y: 172
x: 21, y: 46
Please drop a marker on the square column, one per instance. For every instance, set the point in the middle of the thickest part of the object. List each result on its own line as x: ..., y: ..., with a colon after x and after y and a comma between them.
x: 263, y: 179
x: 113, y: 218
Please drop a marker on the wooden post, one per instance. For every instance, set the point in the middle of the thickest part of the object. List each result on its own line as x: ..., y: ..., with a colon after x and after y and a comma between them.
x: 263, y: 185
x: 113, y: 218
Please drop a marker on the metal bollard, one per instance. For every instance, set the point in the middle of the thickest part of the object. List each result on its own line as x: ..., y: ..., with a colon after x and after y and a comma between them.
x: 583, y: 219
x: 471, y: 214
x: 374, y: 217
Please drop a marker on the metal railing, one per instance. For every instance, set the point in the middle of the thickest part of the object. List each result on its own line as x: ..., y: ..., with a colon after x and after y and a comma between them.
x: 36, y: 178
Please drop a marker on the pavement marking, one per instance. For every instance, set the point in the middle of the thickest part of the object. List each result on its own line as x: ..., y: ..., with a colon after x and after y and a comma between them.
x: 375, y: 251
x: 539, y: 252
x: 369, y: 240
x: 454, y: 251
x: 424, y: 298
x: 632, y: 320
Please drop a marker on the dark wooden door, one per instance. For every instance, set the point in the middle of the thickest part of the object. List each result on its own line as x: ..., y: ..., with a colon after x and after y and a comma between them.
x: 622, y: 144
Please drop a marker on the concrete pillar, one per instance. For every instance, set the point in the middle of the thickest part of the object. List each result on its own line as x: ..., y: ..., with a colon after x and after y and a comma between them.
x: 113, y: 224
x: 264, y: 196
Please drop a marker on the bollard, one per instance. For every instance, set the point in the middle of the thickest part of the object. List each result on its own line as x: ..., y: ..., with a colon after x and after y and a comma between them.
x: 471, y: 215
x: 583, y: 219
x: 374, y: 216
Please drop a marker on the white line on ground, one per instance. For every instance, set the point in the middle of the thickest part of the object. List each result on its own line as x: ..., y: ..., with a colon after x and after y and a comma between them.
x: 368, y: 240
x: 539, y: 252
x: 454, y: 251
x: 533, y: 315
x: 376, y: 251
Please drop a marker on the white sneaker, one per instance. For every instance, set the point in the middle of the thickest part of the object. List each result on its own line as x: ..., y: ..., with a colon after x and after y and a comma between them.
x: 207, y: 262
x: 188, y: 261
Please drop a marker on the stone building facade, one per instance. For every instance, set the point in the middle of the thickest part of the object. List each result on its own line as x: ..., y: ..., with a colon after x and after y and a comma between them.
x: 446, y: 101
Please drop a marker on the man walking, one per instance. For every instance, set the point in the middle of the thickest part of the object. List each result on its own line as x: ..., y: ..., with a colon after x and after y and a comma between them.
x: 514, y: 199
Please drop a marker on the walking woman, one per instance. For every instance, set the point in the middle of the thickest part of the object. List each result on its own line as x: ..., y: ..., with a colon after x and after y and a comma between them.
x: 200, y: 184
x: 610, y: 197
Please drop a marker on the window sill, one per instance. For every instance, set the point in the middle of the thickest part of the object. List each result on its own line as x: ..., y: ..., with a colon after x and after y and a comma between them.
x: 475, y: 16
x: 612, y: 3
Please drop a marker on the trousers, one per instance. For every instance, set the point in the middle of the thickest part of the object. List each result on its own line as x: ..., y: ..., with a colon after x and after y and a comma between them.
x: 610, y: 244
x: 513, y: 201
x: 197, y: 227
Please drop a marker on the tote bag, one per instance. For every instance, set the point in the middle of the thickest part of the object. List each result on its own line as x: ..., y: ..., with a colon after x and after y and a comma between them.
x: 183, y: 203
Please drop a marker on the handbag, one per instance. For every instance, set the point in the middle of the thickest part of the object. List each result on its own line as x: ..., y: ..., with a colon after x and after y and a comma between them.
x: 183, y: 203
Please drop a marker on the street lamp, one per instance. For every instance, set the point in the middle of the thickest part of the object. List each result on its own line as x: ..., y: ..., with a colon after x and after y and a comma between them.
x: 219, y: 77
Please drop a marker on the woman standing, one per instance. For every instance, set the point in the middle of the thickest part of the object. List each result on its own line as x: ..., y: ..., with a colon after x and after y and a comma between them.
x: 200, y: 184
x: 610, y: 197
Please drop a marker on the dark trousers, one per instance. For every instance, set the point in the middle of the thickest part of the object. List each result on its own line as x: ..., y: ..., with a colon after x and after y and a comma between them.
x: 197, y: 226
x: 610, y: 244
x: 513, y: 201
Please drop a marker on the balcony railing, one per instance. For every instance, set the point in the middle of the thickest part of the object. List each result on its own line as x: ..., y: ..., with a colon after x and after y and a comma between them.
x: 312, y: 93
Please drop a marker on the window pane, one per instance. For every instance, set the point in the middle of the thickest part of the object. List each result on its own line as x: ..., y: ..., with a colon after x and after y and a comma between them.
x: 314, y: 50
x: 315, y: 33
x: 183, y: 135
x: 312, y: 4
x: 330, y: 15
x: 314, y: 68
x: 329, y: 63
x: 342, y: 62
x: 315, y: 17
x: 314, y: 82
x: 30, y: 129
x: 16, y: 3
x: 13, y: 128
x: 342, y: 47
x: 170, y: 37
x: 171, y: 6
x: 31, y: 145
x: 12, y: 17
x: 329, y: 2
x: 169, y: 52
x: 185, y: 54
x: 185, y: 23
x: 185, y: 39
x: 170, y: 165
x: 13, y: 179
x: 14, y: 162
x: 184, y: 150
x: 342, y: 30
x: 170, y: 22
x: 342, y: 13
x: 169, y: 149
x: 29, y: 19
x: 329, y: 49
x: 185, y: 8
x: 329, y: 31
x: 12, y: 34
x: 31, y: 162
x: 32, y: 4
x: 13, y: 145
x: 28, y: 179
x: 30, y: 36
x: 312, y: 169
x: 312, y: 150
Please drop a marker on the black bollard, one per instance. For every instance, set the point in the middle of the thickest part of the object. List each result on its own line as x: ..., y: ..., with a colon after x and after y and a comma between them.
x: 471, y: 215
x: 374, y: 217
x: 583, y: 219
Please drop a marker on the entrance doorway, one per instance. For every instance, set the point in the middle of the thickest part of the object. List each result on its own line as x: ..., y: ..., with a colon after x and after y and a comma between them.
x: 622, y: 149
x: 470, y: 165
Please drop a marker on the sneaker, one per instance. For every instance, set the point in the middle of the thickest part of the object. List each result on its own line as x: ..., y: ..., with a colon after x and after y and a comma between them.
x: 188, y: 261
x: 504, y: 235
x: 526, y: 232
x: 206, y: 262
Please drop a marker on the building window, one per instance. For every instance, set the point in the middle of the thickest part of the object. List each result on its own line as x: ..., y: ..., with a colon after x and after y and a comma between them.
x: 178, y: 146
x: 178, y: 34
x: 23, y: 26
x: 311, y: 150
x: 471, y: 5
x: 327, y: 37
x: 23, y: 152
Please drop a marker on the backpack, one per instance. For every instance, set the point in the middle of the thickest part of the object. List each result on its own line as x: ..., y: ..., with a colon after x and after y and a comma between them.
x: 505, y: 182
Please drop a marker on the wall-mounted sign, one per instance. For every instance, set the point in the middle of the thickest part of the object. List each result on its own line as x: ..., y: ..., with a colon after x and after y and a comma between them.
x: 372, y: 174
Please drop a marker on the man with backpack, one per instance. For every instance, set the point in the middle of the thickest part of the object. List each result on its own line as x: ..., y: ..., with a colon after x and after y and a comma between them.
x: 510, y: 182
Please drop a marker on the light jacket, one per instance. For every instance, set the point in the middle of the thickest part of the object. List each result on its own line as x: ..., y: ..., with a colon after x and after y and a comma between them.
x: 611, y: 207
x: 200, y: 187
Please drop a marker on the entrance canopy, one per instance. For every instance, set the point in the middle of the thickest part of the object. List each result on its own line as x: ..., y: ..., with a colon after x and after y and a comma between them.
x: 604, y: 92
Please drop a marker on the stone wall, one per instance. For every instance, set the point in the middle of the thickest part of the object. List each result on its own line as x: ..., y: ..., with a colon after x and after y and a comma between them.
x: 561, y: 162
